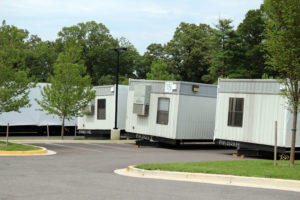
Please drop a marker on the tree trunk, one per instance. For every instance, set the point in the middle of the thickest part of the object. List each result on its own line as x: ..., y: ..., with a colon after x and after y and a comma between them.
x: 292, y: 154
x: 63, y: 128
x: 7, y: 132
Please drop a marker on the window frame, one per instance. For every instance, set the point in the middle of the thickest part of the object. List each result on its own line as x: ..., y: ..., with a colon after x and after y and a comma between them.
x: 231, y: 117
x: 159, y: 111
x: 98, y: 116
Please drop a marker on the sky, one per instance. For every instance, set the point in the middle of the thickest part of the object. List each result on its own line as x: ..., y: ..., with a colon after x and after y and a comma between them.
x: 142, y: 22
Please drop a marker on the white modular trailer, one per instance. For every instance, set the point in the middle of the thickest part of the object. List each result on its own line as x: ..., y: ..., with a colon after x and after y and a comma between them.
x: 171, y: 111
x: 33, y: 116
x: 246, y: 113
x: 102, y: 110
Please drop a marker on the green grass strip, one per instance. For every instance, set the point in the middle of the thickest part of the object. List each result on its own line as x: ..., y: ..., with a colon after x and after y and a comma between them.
x: 252, y: 168
x: 17, y: 147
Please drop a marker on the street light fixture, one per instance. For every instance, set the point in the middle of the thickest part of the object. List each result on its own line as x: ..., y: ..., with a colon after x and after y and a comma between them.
x: 118, y: 50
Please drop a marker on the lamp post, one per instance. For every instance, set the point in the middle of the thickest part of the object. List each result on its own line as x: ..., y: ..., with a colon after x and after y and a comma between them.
x: 118, y: 50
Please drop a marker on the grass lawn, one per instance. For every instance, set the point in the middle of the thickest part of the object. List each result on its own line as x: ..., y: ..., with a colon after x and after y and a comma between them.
x: 254, y: 168
x: 17, y: 147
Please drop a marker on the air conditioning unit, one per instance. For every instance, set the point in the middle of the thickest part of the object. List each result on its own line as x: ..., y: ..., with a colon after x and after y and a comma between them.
x: 141, y: 109
x: 90, y: 109
x: 141, y: 99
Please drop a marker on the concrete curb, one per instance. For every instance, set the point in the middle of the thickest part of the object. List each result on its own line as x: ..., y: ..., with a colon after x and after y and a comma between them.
x: 19, y: 153
x: 49, y: 152
x: 74, y: 141
x: 268, y: 183
x: 42, y: 152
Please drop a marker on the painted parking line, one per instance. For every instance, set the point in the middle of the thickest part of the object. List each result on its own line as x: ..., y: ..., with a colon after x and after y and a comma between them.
x: 76, y: 147
x: 120, y: 147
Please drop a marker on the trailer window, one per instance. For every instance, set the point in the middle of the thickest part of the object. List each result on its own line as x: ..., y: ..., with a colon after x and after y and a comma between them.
x: 163, y: 111
x: 235, y: 112
x: 101, y: 109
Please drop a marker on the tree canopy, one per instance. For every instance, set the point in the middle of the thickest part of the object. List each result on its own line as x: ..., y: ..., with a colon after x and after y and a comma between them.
x: 159, y: 71
x: 188, y: 51
x: 196, y: 52
x: 96, y: 42
x: 70, y: 90
x: 251, y: 30
x: 14, y: 80
x: 283, y: 46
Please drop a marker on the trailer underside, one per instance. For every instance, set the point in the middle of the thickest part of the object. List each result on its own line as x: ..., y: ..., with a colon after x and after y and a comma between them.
x: 164, y: 140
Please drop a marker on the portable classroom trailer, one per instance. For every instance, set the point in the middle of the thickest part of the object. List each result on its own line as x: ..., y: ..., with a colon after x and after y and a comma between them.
x: 171, y: 111
x: 102, y: 111
x: 31, y: 119
x: 246, y: 114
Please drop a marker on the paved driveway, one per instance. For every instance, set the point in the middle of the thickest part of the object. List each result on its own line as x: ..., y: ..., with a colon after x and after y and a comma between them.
x: 85, y: 171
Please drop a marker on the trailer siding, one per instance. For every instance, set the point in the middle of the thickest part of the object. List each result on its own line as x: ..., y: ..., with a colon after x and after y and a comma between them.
x: 122, y: 106
x: 187, y: 120
x: 196, y: 117
x: 90, y: 122
x: 146, y: 125
x: 259, y: 116
x: 288, y: 131
x: 263, y: 105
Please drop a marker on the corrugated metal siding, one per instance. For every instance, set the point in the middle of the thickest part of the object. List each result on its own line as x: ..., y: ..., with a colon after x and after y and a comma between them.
x: 147, y: 124
x: 90, y: 122
x: 196, y: 117
x: 182, y: 88
x: 122, y: 106
x: 260, y: 113
x: 156, y: 86
x: 105, y: 90
x: 205, y: 90
x: 249, y: 86
x: 288, y: 131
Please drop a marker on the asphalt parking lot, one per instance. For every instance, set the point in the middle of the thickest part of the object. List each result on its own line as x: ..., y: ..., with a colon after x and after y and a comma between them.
x: 85, y: 171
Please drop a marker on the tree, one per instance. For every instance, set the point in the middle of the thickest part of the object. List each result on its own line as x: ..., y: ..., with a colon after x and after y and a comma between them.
x: 154, y: 51
x: 14, y: 81
x: 188, y: 51
x: 159, y: 71
x: 129, y: 59
x: 70, y: 90
x: 225, y: 52
x: 96, y: 42
x: 14, y: 89
x: 283, y: 45
x: 251, y: 32
x: 40, y: 58
x: 110, y: 80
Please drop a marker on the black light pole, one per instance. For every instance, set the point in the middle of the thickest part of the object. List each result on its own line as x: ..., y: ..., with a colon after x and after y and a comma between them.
x: 118, y: 50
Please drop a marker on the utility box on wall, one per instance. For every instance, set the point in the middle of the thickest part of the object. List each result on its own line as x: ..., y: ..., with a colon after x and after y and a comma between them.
x: 141, y: 99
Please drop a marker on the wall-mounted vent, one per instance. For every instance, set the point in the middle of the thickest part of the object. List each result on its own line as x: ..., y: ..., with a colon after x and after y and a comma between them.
x: 141, y: 99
